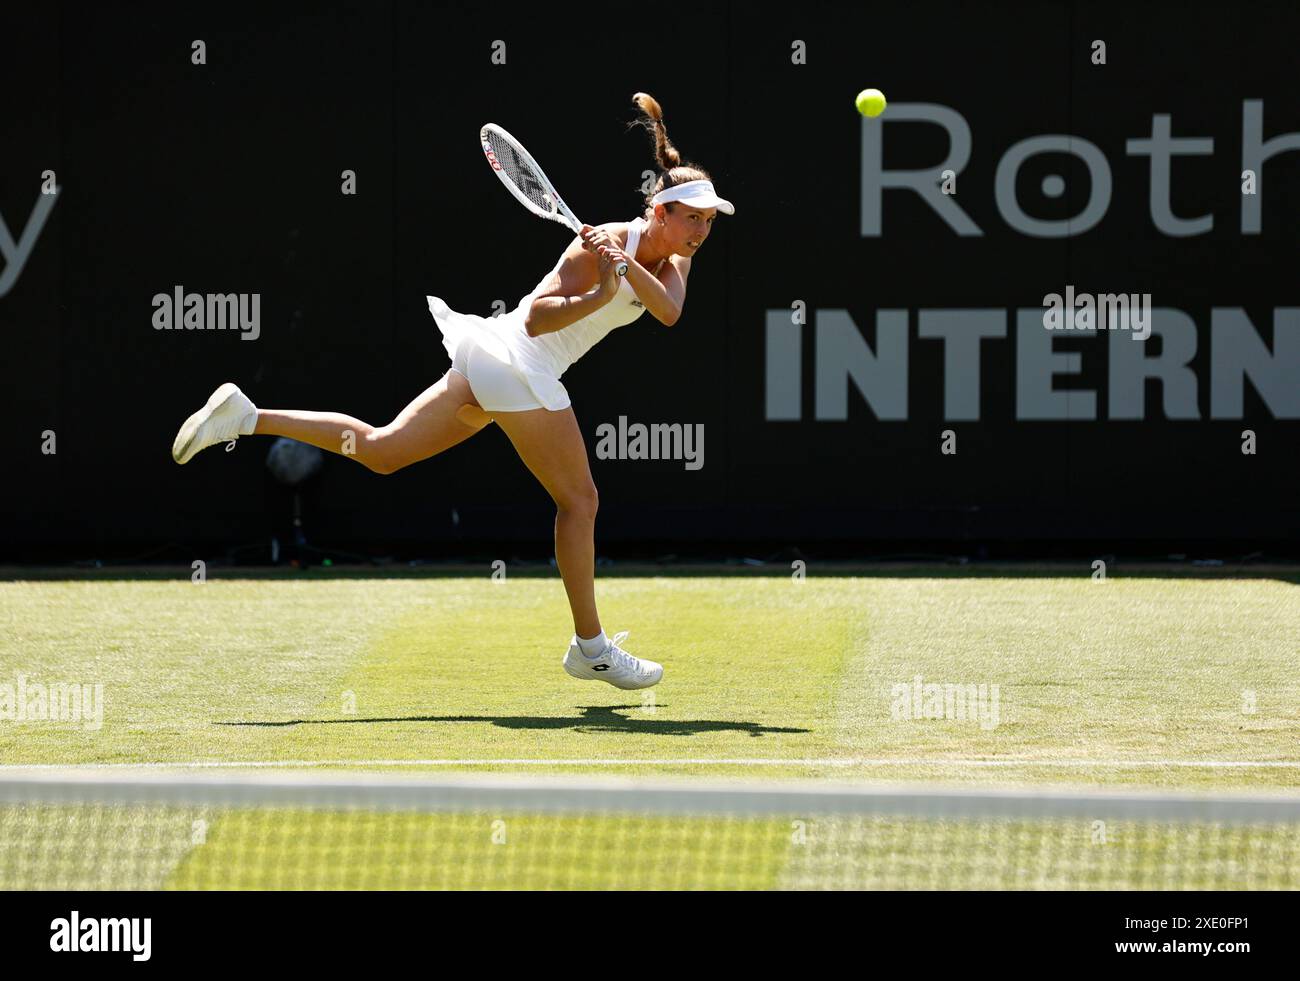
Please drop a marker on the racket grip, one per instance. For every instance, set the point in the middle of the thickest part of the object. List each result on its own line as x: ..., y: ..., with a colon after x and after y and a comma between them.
x: 622, y: 269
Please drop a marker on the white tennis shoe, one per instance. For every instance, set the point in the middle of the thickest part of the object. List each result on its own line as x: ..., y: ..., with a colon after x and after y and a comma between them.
x: 228, y: 415
x: 614, y: 665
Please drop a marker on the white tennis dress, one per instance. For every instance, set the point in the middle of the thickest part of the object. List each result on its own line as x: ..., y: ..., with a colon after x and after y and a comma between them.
x: 497, y: 353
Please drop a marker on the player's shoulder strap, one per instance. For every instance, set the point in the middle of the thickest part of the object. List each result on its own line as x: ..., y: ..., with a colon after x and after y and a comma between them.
x: 634, y: 229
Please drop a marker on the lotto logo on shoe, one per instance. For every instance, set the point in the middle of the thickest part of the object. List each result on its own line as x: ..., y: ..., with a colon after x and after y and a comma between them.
x: 600, y: 667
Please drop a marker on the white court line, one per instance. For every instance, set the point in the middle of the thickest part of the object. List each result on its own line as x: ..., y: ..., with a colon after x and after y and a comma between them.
x: 761, y: 761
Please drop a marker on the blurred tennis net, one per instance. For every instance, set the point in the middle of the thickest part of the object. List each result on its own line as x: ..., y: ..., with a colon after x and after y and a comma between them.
x: 106, y: 830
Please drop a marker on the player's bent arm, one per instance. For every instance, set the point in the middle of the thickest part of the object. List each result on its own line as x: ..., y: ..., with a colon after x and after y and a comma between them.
x: 671, y: 285
x: 570, y: 293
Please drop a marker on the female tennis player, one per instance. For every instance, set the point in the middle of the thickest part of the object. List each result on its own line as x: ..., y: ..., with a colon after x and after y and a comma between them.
x: 507, y: 370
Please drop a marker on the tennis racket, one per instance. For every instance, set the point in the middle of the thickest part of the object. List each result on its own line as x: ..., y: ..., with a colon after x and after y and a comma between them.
x: 524, y: 179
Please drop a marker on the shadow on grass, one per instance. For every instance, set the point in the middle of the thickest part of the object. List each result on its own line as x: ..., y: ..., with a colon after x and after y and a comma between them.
x: 594, y: 718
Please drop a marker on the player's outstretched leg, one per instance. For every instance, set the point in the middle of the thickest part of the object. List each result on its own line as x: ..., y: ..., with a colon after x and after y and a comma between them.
x: 438, y: 418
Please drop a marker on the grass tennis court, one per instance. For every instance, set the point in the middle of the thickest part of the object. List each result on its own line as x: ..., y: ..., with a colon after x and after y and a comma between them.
x: 1135, y: 681
x: 1175, y: 683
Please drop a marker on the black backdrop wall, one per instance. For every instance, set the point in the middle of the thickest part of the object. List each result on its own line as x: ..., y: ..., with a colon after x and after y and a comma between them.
x: 922, y: 310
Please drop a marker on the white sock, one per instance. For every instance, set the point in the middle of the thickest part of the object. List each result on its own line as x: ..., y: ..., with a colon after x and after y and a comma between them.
x: 594, y: 647
x: 248, y: 423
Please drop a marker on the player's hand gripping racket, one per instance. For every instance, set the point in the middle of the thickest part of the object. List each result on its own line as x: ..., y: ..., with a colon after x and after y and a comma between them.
x: 524, y: 179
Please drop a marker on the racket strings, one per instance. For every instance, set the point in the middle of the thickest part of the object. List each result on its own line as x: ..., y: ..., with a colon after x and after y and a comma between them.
x: 521, y: 174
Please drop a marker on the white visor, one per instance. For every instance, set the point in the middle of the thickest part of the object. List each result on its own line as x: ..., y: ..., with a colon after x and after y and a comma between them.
x: 695, y: 194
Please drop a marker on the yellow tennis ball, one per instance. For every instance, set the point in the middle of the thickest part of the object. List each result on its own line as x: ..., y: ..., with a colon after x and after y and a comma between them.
x: 871, y: 102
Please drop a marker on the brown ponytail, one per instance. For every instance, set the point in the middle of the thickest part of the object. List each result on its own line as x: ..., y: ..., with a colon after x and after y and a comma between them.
x: 673, y: 170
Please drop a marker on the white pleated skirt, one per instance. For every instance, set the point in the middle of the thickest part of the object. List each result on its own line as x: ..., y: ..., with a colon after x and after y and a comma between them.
x: 485, y: 347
